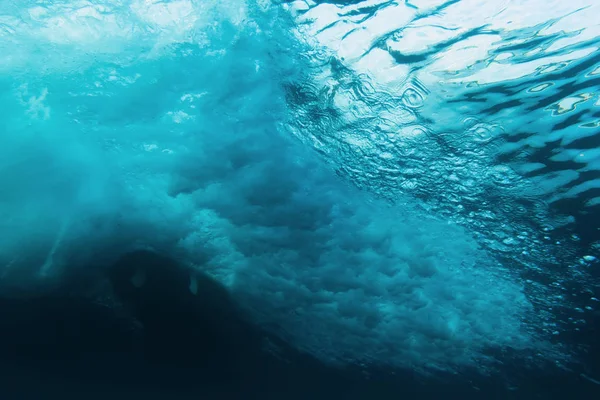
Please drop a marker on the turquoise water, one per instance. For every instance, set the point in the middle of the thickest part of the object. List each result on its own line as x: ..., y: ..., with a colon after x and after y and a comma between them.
x: 412, y: 184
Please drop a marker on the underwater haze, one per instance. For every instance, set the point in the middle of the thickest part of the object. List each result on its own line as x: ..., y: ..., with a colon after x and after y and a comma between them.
x: 409, y: 184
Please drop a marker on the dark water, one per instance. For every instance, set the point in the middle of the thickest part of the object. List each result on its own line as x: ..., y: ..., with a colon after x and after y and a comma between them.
x: 160, y: 341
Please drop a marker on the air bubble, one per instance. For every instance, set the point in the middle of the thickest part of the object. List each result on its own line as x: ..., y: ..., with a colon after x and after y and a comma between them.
x: 412, y: 98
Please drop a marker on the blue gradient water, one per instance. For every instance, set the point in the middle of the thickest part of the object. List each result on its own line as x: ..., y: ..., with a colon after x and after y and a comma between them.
x: 409, y: 184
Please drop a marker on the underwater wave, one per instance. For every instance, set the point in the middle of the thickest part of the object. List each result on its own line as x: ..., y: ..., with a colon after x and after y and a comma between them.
x: 429, y: 230
x: 487, y: 111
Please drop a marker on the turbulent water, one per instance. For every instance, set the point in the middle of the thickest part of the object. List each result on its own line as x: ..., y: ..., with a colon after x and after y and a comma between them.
x: 412, y: 184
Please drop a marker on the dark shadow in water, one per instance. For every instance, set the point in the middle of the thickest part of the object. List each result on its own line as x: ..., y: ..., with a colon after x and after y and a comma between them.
x: 159, y: 334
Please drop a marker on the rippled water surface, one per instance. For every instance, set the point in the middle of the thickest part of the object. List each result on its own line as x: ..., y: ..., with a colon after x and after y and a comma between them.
x: 411, y: 184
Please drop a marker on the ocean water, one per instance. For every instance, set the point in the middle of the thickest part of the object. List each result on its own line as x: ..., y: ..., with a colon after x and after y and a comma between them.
x: 347, y: 199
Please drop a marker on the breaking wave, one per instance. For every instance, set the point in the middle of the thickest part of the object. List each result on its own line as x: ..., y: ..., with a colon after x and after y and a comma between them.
x: 410, y: 183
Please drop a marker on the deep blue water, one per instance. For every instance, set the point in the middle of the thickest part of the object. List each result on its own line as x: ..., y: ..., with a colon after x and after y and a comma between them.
x: 256, y: 199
